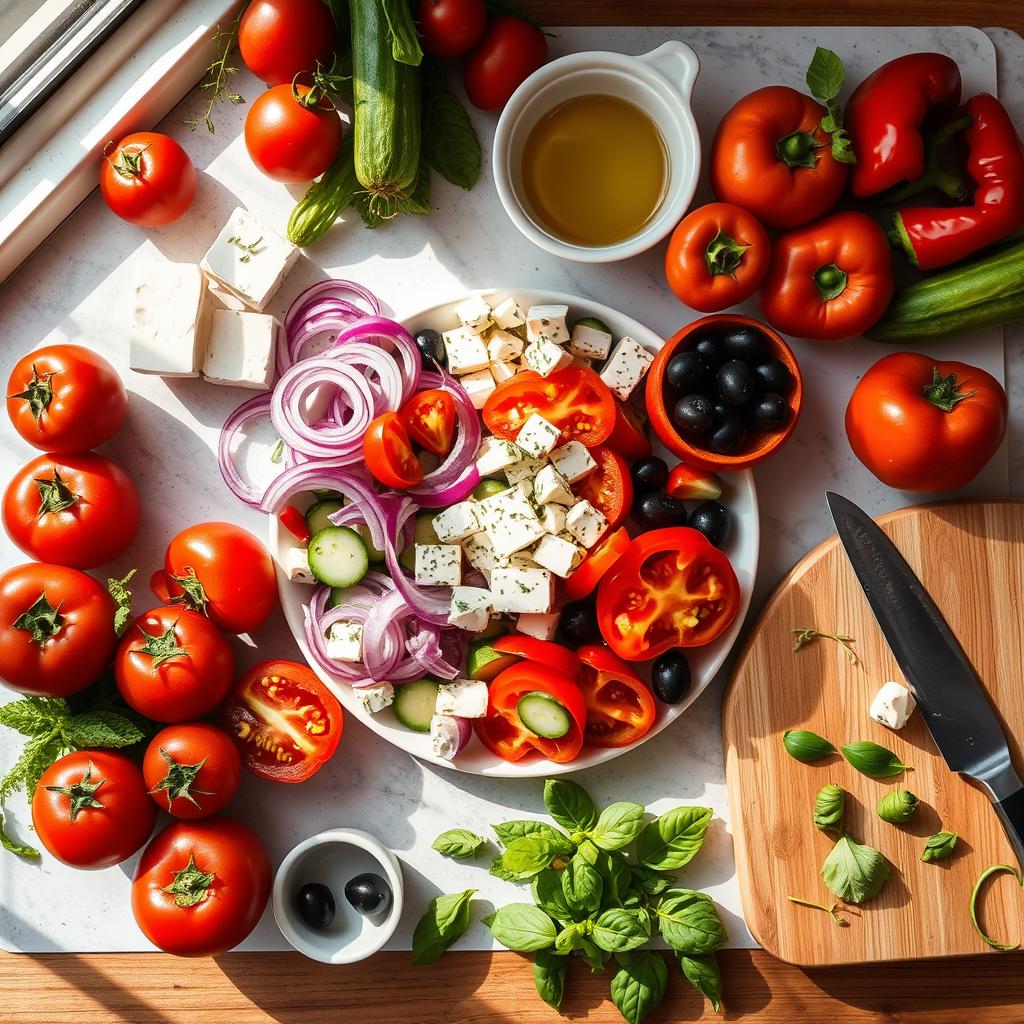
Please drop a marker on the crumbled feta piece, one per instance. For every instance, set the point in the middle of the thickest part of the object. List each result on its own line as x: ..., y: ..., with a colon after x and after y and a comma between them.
x: 438, y: 565
x: 572, y: 460
x: 496, y: 454
x: 517, y: 560
x: 525, y: 469
x: 466, y: 351
x: 547, y: 323
x: 510, y: 521
x: 552, y: 517
x: 345, y: 642
x: 480, y: 552
x: 893, y: 705
x: 537, y: 437
x: 444, y: 736
x: 585, y: 523
x: 295, y: 563
x: 170, y: 319
x: 479, y: 385
x: 550, y: 485
x: 522, y: 590
x: 240, y: 349
x: 626, y: 367
x: 374, y: 698
x: 508, y: 315
x: 589, y: 343
x: 558, y: 555
x: 538, y: 624
x: 502, y: 372
x: 474, y: 314
x: 546, y: 357
x: 471, y: 609
x: 456, y: 523
x: 503, y: 346
x: 462, y: 698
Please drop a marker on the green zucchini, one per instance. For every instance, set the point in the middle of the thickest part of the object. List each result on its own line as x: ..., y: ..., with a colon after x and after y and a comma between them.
x: 986, y: 293
x: 324, y: 201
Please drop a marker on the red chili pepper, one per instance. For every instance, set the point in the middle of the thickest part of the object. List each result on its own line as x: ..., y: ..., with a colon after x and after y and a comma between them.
x: 935, y: 236
x: 295, y: 523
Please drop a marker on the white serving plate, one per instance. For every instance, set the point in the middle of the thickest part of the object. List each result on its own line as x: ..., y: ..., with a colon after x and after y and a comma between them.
x: 742, y: 549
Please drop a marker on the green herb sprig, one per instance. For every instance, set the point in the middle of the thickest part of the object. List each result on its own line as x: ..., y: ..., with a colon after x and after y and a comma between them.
x: 873, y: 760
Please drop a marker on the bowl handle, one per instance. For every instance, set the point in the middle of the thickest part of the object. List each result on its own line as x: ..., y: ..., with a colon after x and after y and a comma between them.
x: 677, y: 64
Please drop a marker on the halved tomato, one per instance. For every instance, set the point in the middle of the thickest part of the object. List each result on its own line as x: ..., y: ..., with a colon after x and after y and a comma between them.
x: 389, y: 454
x: 430, y: 418
x: 597, y: 563
x: 609, y: 488
x: 620, y: 707
x: 561, y: 659
x: 627, y: 436
x: 284, y: 721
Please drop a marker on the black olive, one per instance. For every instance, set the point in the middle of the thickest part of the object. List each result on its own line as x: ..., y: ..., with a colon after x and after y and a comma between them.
x: 431, y: 346
x: 728, y: 433
x: 686, y: 372
x: 713, y: 520
x: 315, y: 904
x: 693, y: 414
x: 746, y: 343
x: 660, y: 509
x: 670, y: 676
x: 771, y: 412
x: 774, y: 376
x: 578, y: 623
x: 649, y: 474
x: 368, y: 893
x: 709, y: 347
x: 735, y: 382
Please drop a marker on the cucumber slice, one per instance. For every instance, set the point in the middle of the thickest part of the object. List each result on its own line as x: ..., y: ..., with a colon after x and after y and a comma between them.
x: 487, y: 487
x: 337, y: 556
x: 423, y: 533
x: 327, y: 494
x: 543, y: 715
x: 484, y: 662
x: 317, y: 513
x: 415, y: 704
x: 593, y: 323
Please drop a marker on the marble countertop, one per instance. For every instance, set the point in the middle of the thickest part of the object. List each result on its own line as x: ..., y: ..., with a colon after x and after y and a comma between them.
x: 75, y: 288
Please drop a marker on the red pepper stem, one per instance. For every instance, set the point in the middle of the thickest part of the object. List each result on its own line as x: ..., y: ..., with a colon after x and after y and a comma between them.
x: 934, y: 176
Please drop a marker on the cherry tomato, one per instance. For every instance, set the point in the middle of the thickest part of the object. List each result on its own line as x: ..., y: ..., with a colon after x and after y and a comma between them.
x: 450, y: 28
x: 627, y: 436
x: 430, y: 418
x: 279, y: 38
x: 620, y: 707
x: 173, y: 665
x: 77, y: 509
x: 510, y: 51
x: 285, y: 722
x: 609, y: 488
x: 65, y: 398
x: 596, y: 564
x: 56, y: 629
x: 389, y: 454
x: 561, y: 659
x: 147, y: 179
x: 191, y: 770
x: 91, y: 810
x: 201, y: 886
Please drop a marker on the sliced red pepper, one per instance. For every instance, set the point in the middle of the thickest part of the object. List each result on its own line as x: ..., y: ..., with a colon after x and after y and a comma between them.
x: 598, y: 561
x: 620, y: 707
x: 627, y: 436
x: 295, y: 523
x: 560, y: 658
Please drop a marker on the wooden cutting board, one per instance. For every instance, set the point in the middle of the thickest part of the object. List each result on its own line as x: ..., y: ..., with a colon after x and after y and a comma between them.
x: 970, y: 556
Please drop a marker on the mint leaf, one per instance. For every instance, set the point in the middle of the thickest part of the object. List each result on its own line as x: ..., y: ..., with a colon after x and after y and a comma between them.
x: 703, y: 974
x: 639, y: 984
x: 689, y: 922
x: 101, y: 729
x: 458, y: 842
x: 582, y: 887
x: 618, y: 931
x: 36, y: 756
x: 671, y: 841
x: 570, y: 805
x: 522, y: 927
x: 618, y: 825
x: 854, y: 872
x: 825, y: 75
x: 13, y: 846
x: 446, y: 918
x: 123, y: 599
x: 549, y: 972
x: 34, y: 716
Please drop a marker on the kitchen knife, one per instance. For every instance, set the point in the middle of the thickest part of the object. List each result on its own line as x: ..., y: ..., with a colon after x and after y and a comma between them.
x: 956, y: 709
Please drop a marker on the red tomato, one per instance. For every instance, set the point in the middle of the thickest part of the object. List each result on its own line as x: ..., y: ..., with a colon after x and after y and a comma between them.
x: 389, y: 454
x: 596, y: 564
x: 608, y: 488
x: 91, y: 810
x: 627, y: 436
x: 289, y: 139
x: 670, y: 589
x: 148, y: 179
x: 224, y: 572
x: 201, y: 886
x: 561, y: 659
x: 620, y: 707
x: 65, y: 398
x: 430, y: 418
x: 575, y: 400
x: 450, y: 28
x: 285, y: 722
x: 510, y: 51
x: 80, y: 510
x: 279, y: 38
x: 56, y: 629
x: 191, y: 770
x: 503, y: 732
x: 173, y: 665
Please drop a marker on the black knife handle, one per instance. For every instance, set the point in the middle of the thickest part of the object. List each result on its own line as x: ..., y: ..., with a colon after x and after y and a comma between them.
x: 1011, y: 813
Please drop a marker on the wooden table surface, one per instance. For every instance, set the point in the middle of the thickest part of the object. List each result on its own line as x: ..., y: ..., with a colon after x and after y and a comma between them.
x: 484, y: 987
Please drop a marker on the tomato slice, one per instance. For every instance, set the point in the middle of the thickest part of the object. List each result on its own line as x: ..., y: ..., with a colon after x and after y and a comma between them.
x: 430, y: 419
x: 389, y: 453
x: 561, y: 659
x: 284, y: 721
x: 609, y: 488
x: 575, y: 400
x: 671, y: 588
x: 597, y: 563
x: 620, y: 707
x: 627, y: 436
x: 503, y: 732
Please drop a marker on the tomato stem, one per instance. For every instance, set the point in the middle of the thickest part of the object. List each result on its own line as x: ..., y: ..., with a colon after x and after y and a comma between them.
x: 179, y: 780
x: 193, y: 595
x: 41, y: 619
x: 161, y: 648
x: 944, y: 392
x: 82, y: 794
x: 723, y: 255
x: 54, y: 495
x: 38, y: 394
x: 129, y: 165
x: 797, y: 149
x: 831, y: 281
x: 190, y: 885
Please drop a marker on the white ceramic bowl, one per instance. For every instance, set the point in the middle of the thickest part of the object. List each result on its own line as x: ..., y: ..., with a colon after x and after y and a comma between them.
x: 333, y: 858
x: 742, y: 548
x: 659, y: 83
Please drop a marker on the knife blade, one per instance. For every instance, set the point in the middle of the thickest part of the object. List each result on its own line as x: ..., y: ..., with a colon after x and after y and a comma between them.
x: 955, y: 707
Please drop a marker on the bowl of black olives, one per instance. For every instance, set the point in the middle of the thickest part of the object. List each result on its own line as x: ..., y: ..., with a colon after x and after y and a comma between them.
x: 724, y: 392
x: 338, y: 896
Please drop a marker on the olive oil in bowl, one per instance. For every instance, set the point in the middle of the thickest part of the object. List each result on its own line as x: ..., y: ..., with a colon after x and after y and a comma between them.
x: 594, y: 170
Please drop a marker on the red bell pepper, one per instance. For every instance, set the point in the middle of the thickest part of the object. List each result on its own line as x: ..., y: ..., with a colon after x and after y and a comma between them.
x: 886, y: 114
x: 935, y: 236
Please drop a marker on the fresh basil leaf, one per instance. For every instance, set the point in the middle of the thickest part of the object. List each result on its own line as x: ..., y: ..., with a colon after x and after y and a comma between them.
x: 405, y: 44
x: 506, y: 831
x: 498, y: 870
x: 671, y: 841
x: 825, y: 75
x: 618, y: 825
x: 570, y: 937
x: 639, y: 984
x: 549, y: 973
x: 806, y: 746
x: 703, y: 974
x: 13, y: 846
x: 875, y: 761
x: 854, y: 872
x: 618, y: 931
x: 829, y: 806
x: 939, y: 846
x: 648, y: 881
x: 546, y: 889
x: 418, y: 201
x: 523, y: 858
x: 102, y: 729
x: 522, y: 927
x: 582, y: 887
x: 689, y: 922
x: 592, y: 956
x: 450, y: 142
x: 897, y: 806
x: 458, y: 842
x: 34, y: 716
x: 446, y: 918
x: 570, y: 805
x: 612, y: 867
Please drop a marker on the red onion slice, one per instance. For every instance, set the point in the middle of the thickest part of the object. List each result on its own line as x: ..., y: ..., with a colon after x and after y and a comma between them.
x: 449, y: 735
x: 247, y: 411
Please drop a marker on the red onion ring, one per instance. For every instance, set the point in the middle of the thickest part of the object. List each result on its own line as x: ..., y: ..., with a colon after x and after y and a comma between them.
x: 248, y: 410
x: 402, y: 343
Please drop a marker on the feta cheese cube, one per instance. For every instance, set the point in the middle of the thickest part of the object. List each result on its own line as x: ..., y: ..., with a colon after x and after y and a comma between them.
x: 508, y: 315
x: 471, y: 609
x: 374, y: 698
x: 558, y: 555
x: 537, y: 624
x: 456, y: 523
x: 550, y: 485
x: 547, y: 323
x: 585, y: 523
x: 466, y: 351
x: 502, y: 372
x: 295, y: 562
x: 503, y: 346
x: 589, y: 343
x: 546, y: 357
x: 345, y: 642
x: 525, y: 469
x: 517, y: 560
x: 626, y: 367
x: 479, y: 552
x: 479, y: 386
x: 438, y: 565
x: 240, y: 349
x: 170, y: 320
x: 522, y: 590
x: 496, y: 454
x: 462, y: 698
x: 893, y: 705
x: 249, y: 259
x: 537, y: 436
x: 474, y: 314
x: 552, y: 517
x: 572, y: 460
x: 510, y: 522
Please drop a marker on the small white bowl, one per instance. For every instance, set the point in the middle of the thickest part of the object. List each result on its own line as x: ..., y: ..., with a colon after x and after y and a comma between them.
x: 333, y: 858
x: 659, y: 83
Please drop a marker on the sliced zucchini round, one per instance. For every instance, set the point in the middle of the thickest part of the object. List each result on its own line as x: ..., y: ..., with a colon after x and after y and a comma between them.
x: 337, y: 556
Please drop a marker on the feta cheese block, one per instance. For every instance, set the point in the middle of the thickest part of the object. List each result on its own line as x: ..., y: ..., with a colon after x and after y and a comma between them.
x: 626, y: 367
x: 474, y: 314
x: 893, y: 705
x: 170, y: 319
x: 589, y: 343
x: 295, y: 562
x: 496, y: 454
x: 517, y: 560
x: 479, y: 552
x: 510, y: 522
x: 550, y: 485
x: 525, y: 469
x: 585, y: 523
x: 546, y: 357
x: 517, y: 589
x: 537, y: 436
x: 374, y: 698
x: 240, y: 349
x: 503, y: 346
x: 552, y: 517
x: 558, y: 555
x: 438, y: 565
x: 547, y: 323
x: 345, y: 642
x: 456, y: 523
x: 479, y: 386
x: 572, y: 460
x: 471, y: 609
x: 465, y: 350
x: 249, y: 259
x: 502, y: 372
x: 508, y: 314
x: 462, y: 698
x: 539, y: 625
